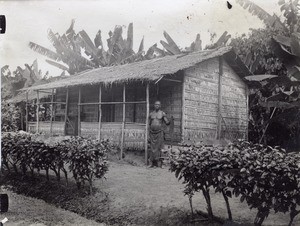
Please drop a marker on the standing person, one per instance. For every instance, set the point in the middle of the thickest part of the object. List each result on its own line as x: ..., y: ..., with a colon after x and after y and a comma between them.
x: 156, y: 133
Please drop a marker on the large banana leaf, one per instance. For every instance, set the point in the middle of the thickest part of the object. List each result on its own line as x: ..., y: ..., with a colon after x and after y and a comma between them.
x: 277, y: 104
x: 58, y: 65
x: 98, y: 40
x: 70, y: 32
x: 295, y: 45
x: 255, y: 10
x: 55, y: 41
x: 259, y: 77
x: 44, y: 51
x: 150, y: 52
x: 171, y: 46
x: 112, y: 43
x: 289, y: 59
x: 89, y: 45
x: 198, y: 43
x: 283, y: 40
x: 141, y: 47
x: 130, y: 37
x: 223, y: 39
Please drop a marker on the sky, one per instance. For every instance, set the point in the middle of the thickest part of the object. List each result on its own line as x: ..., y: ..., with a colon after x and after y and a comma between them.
x: 30, y: 20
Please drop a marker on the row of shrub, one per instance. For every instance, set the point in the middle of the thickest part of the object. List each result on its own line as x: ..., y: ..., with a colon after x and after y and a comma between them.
x: 85, y: 159
x: 266, y: 178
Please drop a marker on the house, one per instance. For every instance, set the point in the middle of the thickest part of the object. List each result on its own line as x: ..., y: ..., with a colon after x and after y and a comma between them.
x: 204, y: 91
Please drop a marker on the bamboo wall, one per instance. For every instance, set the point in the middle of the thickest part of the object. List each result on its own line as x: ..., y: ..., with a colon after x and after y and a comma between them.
x: 134, y: 133
x: 44, y: 127
x: 201, y: 100
x: 234, y: 105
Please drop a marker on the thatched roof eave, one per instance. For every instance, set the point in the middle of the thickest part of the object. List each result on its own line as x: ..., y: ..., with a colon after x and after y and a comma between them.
x: 147, y: 71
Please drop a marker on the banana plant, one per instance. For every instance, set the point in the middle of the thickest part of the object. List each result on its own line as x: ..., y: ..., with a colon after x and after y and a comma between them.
x: 68, y: 49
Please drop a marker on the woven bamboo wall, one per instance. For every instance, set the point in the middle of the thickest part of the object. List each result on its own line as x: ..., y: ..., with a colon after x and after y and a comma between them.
x: 201, y: 101
x: 234, y: 105
x: 134, y: 133
x: 44, y: 127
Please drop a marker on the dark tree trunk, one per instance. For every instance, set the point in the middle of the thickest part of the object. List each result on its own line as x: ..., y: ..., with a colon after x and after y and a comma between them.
x: 227, y: 205
x: 47, y: 174
x: 206, y: 195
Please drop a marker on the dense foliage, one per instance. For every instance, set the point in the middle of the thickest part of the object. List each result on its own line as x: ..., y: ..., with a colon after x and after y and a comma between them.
x: 266, y: 178
x: 84, y: 158
x: 10, y: 117
x: 273, y: 50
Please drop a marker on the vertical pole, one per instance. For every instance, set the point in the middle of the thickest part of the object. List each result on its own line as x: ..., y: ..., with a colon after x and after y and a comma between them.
x: 100, y: 112
x: 219, y: 126
x: 123, y: 121
x: 66, y: 111
x: 51, y: 117
x: 26, y: 111
x: 37, y: 111
x: 183, y: 110
x: 247, y: 112
x: 79, y: 111
x: 147, y: 124
x: 54, y: 107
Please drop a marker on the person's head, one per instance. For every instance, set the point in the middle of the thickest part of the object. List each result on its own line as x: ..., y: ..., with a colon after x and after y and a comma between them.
x: 157, y: 105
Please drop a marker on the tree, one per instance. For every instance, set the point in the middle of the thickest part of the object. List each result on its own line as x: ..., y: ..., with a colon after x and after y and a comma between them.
x: 69, y: 46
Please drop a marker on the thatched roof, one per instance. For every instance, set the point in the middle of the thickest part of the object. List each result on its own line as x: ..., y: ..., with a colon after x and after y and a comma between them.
x: 148, y: 70
x: 31, y: 96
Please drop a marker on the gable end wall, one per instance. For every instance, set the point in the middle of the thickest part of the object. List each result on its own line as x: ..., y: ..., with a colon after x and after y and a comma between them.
x: 200, y: 98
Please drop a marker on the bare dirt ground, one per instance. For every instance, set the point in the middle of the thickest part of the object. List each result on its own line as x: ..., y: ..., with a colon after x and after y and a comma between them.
x: 29, y: 211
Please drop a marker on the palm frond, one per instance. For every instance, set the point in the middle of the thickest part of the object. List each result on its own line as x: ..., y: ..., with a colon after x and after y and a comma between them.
x: 44, y: 51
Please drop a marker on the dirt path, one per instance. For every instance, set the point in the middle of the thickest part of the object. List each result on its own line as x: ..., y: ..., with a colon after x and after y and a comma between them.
x: 30, y: 211
x: 139, y: 193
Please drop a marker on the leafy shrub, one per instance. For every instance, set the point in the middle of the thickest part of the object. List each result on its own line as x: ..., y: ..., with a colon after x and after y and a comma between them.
x: 10, y: 117
x: 266, y: 178
x: 85, y: 158
x: 88, y: 159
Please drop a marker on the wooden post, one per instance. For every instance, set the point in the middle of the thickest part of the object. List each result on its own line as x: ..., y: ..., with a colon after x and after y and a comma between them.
x: 147, y: 124
x: 247, y: 112
x: 37, y: 111
x: 79, y: 111
x: 51, y: 117
x: 66, y: 111
x: 54, y: 109
x: 100, y: 112
x: 26, y: 109
x: 123, y: 121
x: 183, y: 109
x: 219, y: 126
